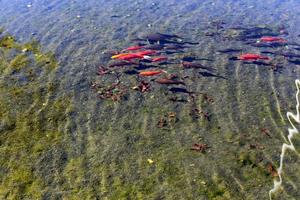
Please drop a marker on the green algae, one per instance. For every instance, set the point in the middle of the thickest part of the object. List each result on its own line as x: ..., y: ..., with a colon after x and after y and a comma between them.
x: 8, y: 42
x: 19, y: 62
x: 32, y: 46
x: 28, y: 131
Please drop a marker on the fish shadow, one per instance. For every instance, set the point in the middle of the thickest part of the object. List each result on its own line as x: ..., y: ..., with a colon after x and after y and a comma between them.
x: 173, y: 52
x: 208, y: 74
x: 258, y: 63
x: 296, y: 62
x: 165, y: 63
x: 142, y: 67
x: 272, y: 45
x: 206, y: 59
x: 268, y: 52
x: 191, y: 59
x: 179, y: 90
x: 229, y: 51
x: 188, y: 59
x: 234, y: 58
x: 131, y: 72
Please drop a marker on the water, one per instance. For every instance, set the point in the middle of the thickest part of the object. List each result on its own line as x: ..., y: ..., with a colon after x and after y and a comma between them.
x: 60, y: 140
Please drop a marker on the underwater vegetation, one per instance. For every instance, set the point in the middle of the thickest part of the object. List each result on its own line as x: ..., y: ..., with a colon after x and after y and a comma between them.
x: 31, y: 114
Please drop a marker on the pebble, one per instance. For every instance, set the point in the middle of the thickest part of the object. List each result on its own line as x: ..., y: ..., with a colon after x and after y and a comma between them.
x: 150, y: 161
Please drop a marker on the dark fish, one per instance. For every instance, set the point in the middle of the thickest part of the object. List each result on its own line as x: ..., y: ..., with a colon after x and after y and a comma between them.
x: 289, y: 55
x: 120, y: 64
x: 174, y: 46
x: 234, y: 58
x: 142, y: 66
x: 244, y: 34
x: 169, y: 81
x: 263, y: 44
x: 293, y: 44
x: 229, y: 50
x: 115, y: 16
x: 207, y: 59
x: 131, y: 72
x: 258, y: 63
x: 179, y: 90
x: 267, y: 52
x: 162, y: 38
x: 207, y: 74
x: 188, y: 59
x: 297, y: 62
x: 211, y: 34
x: 173, y: 52
x: 191, y: 59
x: 258, y: 32
x: 168, y: 35
x: 176, y: 42
x: 154, y: 47
x: 238, y: 28
x: 187, y: 65
x: 191, y: 43
x: 157, y: 36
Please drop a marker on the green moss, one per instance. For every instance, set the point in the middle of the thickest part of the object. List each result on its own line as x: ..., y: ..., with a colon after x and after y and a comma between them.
x: 7, y: 42
x: 33, y: 46
x: 20, y: 184
x: 19, y: 62
x: 74, y: 173
x: 48, y: 60
x: 29, y: 127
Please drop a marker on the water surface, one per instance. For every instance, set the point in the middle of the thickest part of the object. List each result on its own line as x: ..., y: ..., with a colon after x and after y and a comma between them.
x: 61, y: 141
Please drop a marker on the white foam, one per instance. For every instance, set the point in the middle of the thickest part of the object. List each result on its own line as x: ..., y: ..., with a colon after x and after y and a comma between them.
x: 285, y: 146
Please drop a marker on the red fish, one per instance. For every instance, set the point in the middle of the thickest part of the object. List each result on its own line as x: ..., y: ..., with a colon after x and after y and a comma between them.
x: 151, y: 73
x: 272, y: 39
x: 250, y: 56
x: 133, y: 48
x: 130, y: 57
x: 144, y: 53
x: 158, y: 59
x: 119, y: 55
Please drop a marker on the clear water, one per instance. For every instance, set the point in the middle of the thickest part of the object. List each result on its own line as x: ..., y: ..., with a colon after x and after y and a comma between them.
x: 59, y: 140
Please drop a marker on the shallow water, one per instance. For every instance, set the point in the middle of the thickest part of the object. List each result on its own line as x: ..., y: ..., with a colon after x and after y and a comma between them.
x: 61, y: 141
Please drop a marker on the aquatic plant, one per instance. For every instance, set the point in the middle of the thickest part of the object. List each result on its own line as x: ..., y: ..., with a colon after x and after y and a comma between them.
x: 31, y: 113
